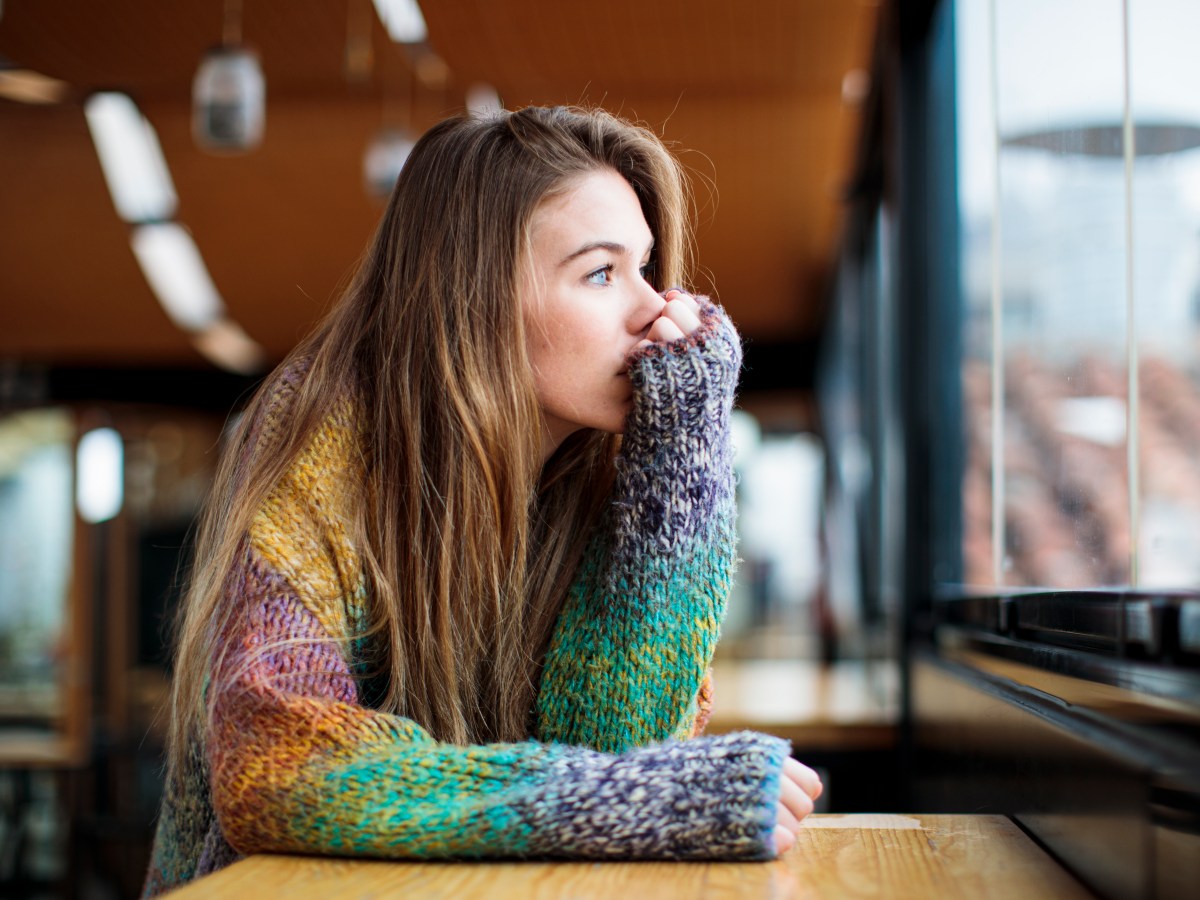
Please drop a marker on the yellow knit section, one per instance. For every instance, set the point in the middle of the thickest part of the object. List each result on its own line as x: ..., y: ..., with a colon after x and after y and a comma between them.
x: 303, y: 529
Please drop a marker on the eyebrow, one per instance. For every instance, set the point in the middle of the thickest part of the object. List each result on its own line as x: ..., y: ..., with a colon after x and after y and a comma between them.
x: 610, y: 246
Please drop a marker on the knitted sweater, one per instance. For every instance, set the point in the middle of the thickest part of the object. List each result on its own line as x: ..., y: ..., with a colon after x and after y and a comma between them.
x: 293, y: 760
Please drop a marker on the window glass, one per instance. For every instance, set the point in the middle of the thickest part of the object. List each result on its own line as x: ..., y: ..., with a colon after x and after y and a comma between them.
x: 36, y: 526
x: 1081, y: 282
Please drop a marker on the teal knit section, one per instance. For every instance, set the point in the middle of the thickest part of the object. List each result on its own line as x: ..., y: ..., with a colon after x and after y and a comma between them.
x: 622, y: 669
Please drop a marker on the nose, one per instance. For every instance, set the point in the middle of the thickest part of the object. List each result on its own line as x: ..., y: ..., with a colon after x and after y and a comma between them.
x: 647, y: 307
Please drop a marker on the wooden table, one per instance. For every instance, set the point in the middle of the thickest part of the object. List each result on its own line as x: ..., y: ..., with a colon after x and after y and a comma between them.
x: 849, y: 705
x: 885, y: 856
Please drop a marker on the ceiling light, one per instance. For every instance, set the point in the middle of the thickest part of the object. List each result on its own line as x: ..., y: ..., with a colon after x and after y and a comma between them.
x: 229, y: 100
x: 27, y: 86
x: 225, y: 344
x: 403, y: 20
x: 482, y: 100
x: 856, y: 85
x: 131, y: 159
x: 100, y: 475
x: 385, y: 157
x: 177, y: 275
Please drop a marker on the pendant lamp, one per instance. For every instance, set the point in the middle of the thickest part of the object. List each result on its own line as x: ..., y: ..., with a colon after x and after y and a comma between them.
x: 229, y: 92
x: 385, y: 157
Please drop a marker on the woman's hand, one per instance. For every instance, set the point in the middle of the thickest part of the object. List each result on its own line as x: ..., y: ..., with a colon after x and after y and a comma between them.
x: 800, y: 787
x: 680, y: 317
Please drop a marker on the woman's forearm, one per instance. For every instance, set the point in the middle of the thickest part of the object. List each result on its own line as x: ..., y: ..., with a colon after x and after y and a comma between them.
x: 640, y: 624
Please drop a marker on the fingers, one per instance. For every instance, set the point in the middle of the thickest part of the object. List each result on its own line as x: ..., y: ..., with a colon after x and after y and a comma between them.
x: 793, y: 797
x: 809, y: 781
x: 799, y: 787
x: 785, y: 819
x: 678, y: 318
x: 683, y: 297
x: 682, y: 309
x: 664, y: 329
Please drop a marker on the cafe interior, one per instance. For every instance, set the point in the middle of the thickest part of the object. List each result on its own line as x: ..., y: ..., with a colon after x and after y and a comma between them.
x: 960, y: 240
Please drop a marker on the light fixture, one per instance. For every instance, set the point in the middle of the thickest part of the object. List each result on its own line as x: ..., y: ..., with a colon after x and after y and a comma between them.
x: 27, y: 86
x: 856, y: 84
x: 385, y: 157
x: 227, y: 345
x: 389, y: 150
x: 177, y: 275
x: 229, y: 100
x: 99, y: 475
x: 131, y: 159
x: 403, y: 20
x: 482, y: 100
x: 229, y: 92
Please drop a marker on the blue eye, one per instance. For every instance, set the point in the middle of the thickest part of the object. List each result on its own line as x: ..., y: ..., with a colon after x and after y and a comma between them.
x: 601, y: 276
x: 647, y: 271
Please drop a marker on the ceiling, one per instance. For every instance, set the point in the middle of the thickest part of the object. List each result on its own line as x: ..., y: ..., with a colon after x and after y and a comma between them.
x: 750, y: 96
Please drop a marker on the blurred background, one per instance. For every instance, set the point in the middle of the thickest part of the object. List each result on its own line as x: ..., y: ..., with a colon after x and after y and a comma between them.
x: 961, y: 239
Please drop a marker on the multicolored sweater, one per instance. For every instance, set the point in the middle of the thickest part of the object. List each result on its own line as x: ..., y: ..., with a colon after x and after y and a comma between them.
x: 295, y: 762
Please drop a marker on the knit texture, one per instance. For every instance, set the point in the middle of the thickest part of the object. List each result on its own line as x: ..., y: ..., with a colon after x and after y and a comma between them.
x: 295, y: 762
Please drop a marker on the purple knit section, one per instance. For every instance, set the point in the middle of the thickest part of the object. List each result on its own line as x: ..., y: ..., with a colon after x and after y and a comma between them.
x: 677, y: 800
x: 676, y: 463
x: 278, y: 641
x: 216, y: 852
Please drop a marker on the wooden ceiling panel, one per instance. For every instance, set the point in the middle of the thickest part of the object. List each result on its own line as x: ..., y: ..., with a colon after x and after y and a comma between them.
x: 750, y: 96
x: 765, y: 219
x: 648, y: 49
x: 152, y: 49
x: 69, y: 285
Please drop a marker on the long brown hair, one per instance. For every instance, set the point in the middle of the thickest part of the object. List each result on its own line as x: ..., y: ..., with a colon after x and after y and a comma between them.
x: 468, y: 541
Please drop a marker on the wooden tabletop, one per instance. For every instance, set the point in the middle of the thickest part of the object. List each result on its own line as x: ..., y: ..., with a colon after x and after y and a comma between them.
x: 849, y: 705
x: 890, y: 856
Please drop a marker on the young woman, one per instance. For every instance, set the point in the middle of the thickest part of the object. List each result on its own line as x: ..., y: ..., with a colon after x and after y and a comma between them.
x: 439, y: 609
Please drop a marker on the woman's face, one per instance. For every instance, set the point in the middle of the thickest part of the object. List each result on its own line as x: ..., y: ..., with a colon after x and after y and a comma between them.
x: 587, y: 303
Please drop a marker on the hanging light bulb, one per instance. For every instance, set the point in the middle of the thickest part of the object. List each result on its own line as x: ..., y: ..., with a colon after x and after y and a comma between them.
x: 229, y: 92
x: 389, y: 149
x: 100, y: 475
x: 482, y: 100
x: 403, y: 20
x: 229, y: 100
x: 385, y: 157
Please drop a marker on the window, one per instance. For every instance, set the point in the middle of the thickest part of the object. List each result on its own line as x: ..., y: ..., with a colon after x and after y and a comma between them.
x: 1079, y: 203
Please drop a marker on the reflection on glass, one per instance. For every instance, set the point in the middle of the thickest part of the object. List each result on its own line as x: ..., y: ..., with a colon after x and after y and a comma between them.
x: 1081, y: 283
x: 36, y: 521
x: 1169, y: 431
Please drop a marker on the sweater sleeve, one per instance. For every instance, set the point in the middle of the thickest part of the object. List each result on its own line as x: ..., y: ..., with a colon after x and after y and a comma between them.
x: 628, y: 656
x: 297, y: 763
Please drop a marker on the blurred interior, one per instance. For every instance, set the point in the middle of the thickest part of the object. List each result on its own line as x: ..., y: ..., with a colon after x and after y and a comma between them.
x: 962, y: 252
